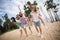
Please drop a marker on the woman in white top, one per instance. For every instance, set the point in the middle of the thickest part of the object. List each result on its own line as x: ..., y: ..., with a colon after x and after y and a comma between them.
x: 36, y: 17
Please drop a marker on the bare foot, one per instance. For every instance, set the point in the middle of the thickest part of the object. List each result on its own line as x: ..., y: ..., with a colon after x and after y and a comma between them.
x: 26, y: 35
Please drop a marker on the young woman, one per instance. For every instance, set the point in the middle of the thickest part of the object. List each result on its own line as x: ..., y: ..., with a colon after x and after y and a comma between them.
x: 24, y: 20
x: 13, y: 22
x: 36, y: 17
x: 18, y: 23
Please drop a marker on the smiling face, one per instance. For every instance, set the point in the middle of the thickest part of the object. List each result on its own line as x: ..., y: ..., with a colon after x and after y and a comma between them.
x: 34, y: 9
x: 21, y: 15
x: 17, y: 16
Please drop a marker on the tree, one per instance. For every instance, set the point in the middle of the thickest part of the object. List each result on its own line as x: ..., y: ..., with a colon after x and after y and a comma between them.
x: 35, y: 3
x: 50, y: 5
x: 7, y: 21
x: 55, y: 11
x: 28, y: 7
x: 1, y: 21
x: 8, y: 25
x: 1, y: 26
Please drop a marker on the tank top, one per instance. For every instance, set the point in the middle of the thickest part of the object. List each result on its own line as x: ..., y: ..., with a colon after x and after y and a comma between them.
x: 18, y: 23
x: 23, y: 21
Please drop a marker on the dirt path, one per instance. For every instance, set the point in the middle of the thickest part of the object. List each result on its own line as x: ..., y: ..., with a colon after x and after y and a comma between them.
x: 52, y: 33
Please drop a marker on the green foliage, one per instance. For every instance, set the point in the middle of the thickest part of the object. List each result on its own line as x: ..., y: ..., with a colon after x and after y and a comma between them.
x: 35, y: 3
x: 27, y: 8
x: 7, y: 21
x: 7, y: 25
x: 28, y: 2
x: 1, y: 21
x: 50, y: 4
x: 27, y: 12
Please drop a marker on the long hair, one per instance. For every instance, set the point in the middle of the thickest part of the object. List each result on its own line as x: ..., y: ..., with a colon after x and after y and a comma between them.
x: 13, y: 19
x: 35, y: 9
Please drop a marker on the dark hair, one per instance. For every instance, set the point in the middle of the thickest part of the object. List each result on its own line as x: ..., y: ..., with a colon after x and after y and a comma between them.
x: 13, y: 19
x: 20, y: 14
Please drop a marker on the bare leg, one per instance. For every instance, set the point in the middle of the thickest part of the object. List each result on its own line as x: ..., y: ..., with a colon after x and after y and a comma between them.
x: 40, y: 30
x: 40, y: 34
x: 25, y: 31
x: 29, y: 26
x: 30, y: 29
x: 37, y: 29
x: 21, y: 32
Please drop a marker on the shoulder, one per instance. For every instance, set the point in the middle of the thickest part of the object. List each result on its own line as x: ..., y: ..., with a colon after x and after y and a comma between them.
x: 38, y: 12
x: 31, y: 13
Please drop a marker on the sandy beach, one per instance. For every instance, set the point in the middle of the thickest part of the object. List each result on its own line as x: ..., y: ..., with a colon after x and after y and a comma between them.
x: 52, y: 33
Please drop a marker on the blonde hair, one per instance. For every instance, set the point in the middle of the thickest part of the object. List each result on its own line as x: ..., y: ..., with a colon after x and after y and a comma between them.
x: 35, y: 9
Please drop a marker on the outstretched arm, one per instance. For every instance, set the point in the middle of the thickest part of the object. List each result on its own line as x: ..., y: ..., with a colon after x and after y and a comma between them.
x: 42, y: 20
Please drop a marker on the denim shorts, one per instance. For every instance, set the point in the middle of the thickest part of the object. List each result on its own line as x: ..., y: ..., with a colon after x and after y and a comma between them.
x: 37, y: 23
x: 25, y: 25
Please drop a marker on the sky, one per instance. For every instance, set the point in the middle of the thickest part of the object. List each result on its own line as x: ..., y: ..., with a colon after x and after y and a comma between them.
x: 11, y: 6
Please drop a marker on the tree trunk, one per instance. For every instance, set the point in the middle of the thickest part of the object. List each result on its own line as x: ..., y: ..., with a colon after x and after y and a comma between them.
x: 52, y: 12
x: 51, y: 17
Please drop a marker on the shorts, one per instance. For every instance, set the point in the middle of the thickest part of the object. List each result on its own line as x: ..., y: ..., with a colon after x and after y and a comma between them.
x: 20, y: 28
x: 25, y: 25
x: 37, y: 23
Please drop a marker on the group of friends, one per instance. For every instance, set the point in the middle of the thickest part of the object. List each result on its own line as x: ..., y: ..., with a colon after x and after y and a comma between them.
x: 23, y: 22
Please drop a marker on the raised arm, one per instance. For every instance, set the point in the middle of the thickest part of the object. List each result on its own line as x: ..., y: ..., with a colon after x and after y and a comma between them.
x: 19, y: 8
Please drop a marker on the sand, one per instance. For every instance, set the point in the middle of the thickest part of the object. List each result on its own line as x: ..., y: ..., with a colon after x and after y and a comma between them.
x: 52, y: 33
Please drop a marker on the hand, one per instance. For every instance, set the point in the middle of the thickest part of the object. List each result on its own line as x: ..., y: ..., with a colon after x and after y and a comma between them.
x: 46, y: 27
x: 19, y: 7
